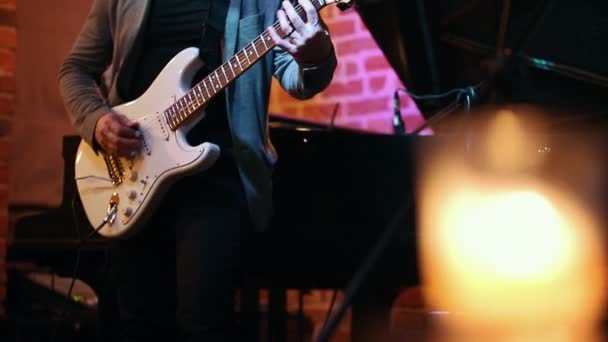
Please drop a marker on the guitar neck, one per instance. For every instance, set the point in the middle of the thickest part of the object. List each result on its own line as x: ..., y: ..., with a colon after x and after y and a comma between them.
x: 220, y: 78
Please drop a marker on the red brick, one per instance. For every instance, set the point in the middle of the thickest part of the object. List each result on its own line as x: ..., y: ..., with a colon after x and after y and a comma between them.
x: 8, y: 61
x: 380, y: 125
x: 7, y: 105
x: 8, y: 3
x: 3, y: 204
x: 320, y: 113
x: 345, y: 69
x: 352, y: 88
x: 356, y: 45
x: 291, y: 110
x: 3, y: 246
x: 377, y: 83
x: 4, y: 225
x: 5, y: 126
x: 4, y: 151
x: 351, y: 69
x: 377, y: 63
x: 4, y: 172
x: 404, y: 100
x: 329, y: 13
x: 413, y: 121
x: 368, y: 106
x: 8, y: 37
x: 356, y: 125
x: 8, y: 84
x: 340, y: 28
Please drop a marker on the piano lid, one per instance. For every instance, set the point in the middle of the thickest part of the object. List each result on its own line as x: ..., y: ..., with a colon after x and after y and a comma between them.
x: 437, y: 45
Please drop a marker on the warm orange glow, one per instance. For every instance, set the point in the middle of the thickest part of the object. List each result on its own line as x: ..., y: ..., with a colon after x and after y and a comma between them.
x: 499, y: 233
x: 510, y: 257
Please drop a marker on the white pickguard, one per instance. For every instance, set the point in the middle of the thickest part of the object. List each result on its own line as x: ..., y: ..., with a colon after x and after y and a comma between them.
x: 165, y: 156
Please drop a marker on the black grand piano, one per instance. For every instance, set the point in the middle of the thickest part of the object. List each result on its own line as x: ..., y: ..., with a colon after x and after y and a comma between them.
x: 338, y: 191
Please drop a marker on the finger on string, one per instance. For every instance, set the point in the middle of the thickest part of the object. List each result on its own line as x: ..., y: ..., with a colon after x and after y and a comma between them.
x: 280, y: 42
x: 284, y: 22
x: 294, y: 17
x: 296, y: 38
x: 311, y: 12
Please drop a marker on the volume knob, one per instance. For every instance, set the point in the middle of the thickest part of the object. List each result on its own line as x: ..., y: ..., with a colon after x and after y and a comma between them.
x: 132, y: 194
x: 133, y: 176
x: 128, y: 211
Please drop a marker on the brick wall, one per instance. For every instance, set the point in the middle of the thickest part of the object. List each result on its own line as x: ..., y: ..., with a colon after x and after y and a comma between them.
x: 8, y: 43
x: 363, y: 85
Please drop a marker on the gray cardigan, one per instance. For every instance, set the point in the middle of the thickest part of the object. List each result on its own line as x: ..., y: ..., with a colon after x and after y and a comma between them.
x: 107, y: 38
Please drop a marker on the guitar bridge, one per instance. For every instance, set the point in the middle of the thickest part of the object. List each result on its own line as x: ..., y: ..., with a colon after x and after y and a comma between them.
x: 115, y: 170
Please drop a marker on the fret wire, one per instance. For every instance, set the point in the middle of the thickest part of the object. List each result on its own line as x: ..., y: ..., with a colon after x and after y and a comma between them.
x: 175, y: 114
x: 182, y: 100
x: 219, y: 77
x: 189, y: 98
x: 194, y: 103
x: 231, y: 69
x: 200, y: 92
x: 246, y: 61
x: 264, y: 41
x: 263, y: 45
x: 256, y: 42
x: 173, y: 120
x: 191, y: 109
x: 219, y: 81
x: 238, y: 61
x: 233, y: 65
x: 167, y: 118
x: 266, y: 38
x: 224, y: 71
x: 207, y: 89
x: 255, y: 49
x: 172, y: 115
x: 246, y: 56
x: 177, y: 110
x: 212, y: 91
x: 197, y: 100
x: 200, y: 95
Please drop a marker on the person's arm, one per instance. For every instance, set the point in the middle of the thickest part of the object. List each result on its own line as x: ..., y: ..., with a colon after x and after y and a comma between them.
x: 79, y: 78
x: 304, y: 62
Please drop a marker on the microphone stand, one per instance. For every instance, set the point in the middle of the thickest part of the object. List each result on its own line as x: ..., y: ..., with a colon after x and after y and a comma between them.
x: 362, y: 273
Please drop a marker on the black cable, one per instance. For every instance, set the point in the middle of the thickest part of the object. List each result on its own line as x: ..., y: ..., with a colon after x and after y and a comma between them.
x: 79, y: 246
x: 468, y: 93
x: 332, y: 302
x: 334, y: 113
x: 362, y: 273
x: 450, y: 108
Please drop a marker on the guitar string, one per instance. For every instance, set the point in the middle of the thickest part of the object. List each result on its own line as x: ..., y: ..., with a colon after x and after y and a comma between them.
x: 257, y: 42
x: 241, y: 55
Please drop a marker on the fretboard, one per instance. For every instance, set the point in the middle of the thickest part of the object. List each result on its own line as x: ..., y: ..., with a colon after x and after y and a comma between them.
x: 180, y: 111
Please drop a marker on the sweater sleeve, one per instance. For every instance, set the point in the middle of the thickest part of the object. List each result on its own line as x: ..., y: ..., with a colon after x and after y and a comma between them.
x: 300, y: 81
x: 82, y: 69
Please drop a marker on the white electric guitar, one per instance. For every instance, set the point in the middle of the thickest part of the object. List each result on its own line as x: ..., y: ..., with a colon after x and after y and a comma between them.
x: 119, y: 194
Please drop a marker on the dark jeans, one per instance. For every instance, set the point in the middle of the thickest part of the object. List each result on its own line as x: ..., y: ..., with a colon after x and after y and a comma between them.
x: 174, y: 278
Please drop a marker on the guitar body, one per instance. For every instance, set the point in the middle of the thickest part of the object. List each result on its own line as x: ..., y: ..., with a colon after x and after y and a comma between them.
x: 126, y: 191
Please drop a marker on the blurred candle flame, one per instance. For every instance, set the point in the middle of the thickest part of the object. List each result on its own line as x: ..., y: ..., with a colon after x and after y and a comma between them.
x: 510, y: 257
